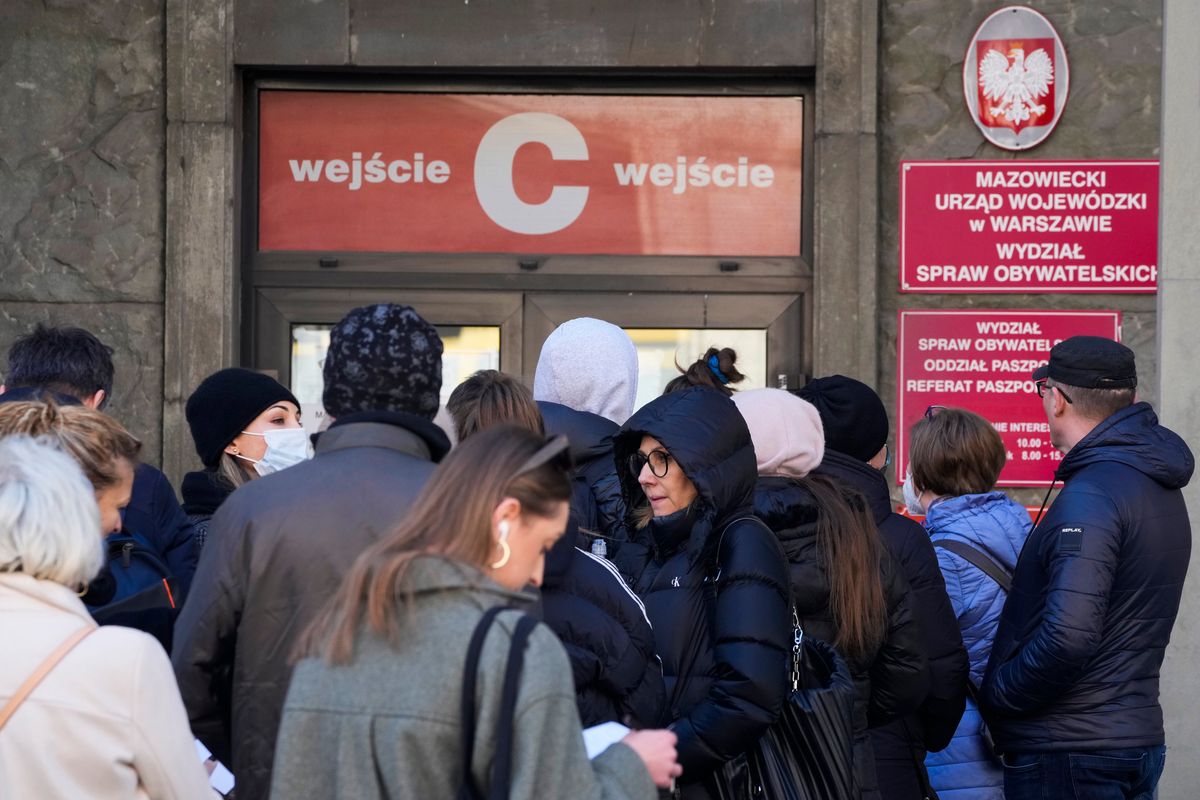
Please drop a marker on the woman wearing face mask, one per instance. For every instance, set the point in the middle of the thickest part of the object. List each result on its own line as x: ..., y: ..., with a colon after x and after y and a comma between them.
x: 714, y: 580
x: 375, y: 709
x: 245, y: 425
x: 955, y: 458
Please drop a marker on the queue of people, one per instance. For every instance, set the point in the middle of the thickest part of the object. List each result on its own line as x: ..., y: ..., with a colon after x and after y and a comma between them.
x: 377, y: 613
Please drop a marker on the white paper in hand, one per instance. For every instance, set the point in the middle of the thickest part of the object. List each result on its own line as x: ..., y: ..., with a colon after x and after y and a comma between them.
x: 599, y: 738
x: 220, y: 778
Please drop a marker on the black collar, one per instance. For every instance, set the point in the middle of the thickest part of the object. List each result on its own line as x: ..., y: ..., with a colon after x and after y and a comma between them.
x: 395, y: 429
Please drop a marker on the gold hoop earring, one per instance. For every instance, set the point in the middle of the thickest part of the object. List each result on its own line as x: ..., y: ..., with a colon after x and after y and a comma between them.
x: 502, y: 540
x: 84, y: 590
x: 504, y: 558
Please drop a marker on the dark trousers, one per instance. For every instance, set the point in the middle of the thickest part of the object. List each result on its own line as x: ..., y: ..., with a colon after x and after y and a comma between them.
x: 1096, y: 775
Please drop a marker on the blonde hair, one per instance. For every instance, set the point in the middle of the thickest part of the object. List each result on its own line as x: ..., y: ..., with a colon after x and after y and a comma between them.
x: 49, y: 520
x: 95, y: 440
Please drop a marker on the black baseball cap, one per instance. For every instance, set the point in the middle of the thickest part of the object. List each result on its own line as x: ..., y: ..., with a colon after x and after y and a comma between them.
x: 1090, y: 362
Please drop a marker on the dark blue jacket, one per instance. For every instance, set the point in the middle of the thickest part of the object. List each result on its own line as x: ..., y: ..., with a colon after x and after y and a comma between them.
x: 601, y: 623
x: 714, y: 582
x: 901, y: 745
x: 155, y: 517
x: 1076, y: 660
x: 996, y: 525
x: 596, y: 501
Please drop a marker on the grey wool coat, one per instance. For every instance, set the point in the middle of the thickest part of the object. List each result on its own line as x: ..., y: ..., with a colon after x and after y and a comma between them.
x: 277, y: 550
x: 387, y: 724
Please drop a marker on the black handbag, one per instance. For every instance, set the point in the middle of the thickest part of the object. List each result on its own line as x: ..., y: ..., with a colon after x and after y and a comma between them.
x: 501, y: 771
x: 808, y: 753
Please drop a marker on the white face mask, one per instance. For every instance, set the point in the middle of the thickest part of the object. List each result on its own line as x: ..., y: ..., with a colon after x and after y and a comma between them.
x: 285, y: 448
x: 912, y: 498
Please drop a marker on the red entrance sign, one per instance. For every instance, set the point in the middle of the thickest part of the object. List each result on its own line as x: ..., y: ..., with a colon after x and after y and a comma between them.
x: 1028, y: 226
x: 983, y: 361
x: 463, y: 173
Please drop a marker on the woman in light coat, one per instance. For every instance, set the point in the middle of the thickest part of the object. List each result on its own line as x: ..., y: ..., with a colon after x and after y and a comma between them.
x: 106, y: 721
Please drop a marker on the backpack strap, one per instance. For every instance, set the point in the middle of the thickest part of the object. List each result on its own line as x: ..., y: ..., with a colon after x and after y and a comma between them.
x: 980, y: 560
x: 501, y: 772
x: 39, y: 674
x: 501, y: 778
x: 470, y: 676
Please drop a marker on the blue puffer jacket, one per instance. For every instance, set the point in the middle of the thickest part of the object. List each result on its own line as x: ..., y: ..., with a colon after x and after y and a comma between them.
x: 1075, y: 665
x: 998, y: 526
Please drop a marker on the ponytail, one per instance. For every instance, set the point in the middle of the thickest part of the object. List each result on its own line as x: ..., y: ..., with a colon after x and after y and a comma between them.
x: 716, y: 369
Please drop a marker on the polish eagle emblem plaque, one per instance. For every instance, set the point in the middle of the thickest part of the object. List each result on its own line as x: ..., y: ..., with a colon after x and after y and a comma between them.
x: 1015, y: 78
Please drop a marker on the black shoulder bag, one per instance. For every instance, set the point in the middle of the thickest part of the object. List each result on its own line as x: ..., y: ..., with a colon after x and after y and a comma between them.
x: 808, y: 753
x: 1003, y: 578
x: 501, y: 771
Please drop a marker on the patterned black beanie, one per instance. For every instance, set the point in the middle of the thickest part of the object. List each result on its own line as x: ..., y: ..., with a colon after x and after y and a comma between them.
x: 384, y: 357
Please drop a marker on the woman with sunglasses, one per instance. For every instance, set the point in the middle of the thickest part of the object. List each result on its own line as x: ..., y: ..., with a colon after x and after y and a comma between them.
x: 713, y: 577
x: 955, y: 458
x: 376, y: 706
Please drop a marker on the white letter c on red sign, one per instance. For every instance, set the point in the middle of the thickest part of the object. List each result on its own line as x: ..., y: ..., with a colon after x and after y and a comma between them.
x: 493, y: 173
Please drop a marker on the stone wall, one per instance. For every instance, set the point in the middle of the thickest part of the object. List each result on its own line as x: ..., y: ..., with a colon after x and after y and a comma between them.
x: 1115, y: 53
x: 81, y: 185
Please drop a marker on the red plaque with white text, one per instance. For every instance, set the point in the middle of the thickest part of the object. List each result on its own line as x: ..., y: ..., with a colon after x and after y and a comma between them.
x: 983, y: 361
x: 1029, y: 226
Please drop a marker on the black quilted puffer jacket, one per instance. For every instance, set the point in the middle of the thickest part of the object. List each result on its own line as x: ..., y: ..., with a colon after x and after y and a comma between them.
x: 891, y: 680
x: 1075, y: 664
x: 714, y: 582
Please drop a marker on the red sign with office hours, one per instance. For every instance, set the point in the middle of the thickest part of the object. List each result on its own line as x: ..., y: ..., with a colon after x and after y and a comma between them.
x: 473, y: 173
x: 1028, y: 226
x: 983, y: 361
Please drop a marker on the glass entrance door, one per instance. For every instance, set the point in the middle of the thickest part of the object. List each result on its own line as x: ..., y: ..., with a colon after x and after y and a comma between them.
x: 506, y: 330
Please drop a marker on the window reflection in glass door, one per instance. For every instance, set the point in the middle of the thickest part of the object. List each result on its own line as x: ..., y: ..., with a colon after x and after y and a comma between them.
x: 660, y: 349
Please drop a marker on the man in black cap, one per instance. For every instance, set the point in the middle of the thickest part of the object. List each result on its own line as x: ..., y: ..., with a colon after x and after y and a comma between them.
x: 856, y: 454
x: 279, y: 547
x: 1071, y: 690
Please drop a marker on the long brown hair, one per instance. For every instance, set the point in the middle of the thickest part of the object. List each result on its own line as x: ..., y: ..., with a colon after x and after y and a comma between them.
x: 849, y: 547
x: 451, y: 518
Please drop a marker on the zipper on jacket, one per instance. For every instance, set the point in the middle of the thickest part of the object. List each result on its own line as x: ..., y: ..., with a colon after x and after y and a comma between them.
x: 126, y: 554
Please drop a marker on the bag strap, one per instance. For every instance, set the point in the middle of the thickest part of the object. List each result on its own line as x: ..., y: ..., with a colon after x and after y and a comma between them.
x: 39, y: 674
x: 501, y: 778
x: 470, y: 675
x: 980, y: 560
x: 988, y: 566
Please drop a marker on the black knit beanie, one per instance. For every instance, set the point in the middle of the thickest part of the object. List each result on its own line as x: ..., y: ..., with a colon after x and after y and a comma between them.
x: 225, y: 403
x: 384, y: 357
x: 852, y: 414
